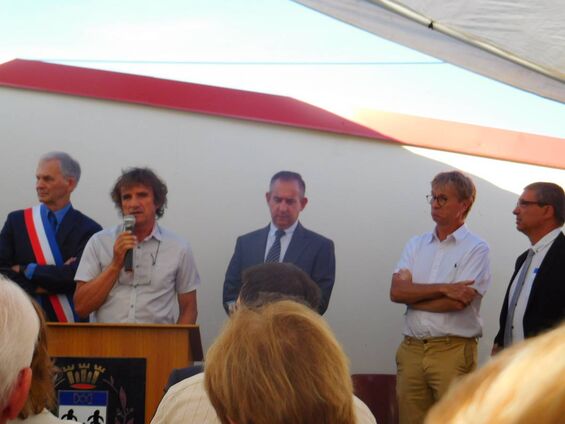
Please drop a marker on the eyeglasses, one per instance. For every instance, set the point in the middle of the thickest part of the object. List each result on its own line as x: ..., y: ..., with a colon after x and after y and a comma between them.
x: 441, y: 199
x: 522, y: 203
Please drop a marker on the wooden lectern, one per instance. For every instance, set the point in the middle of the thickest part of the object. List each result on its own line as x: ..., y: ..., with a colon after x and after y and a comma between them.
x: 163, y: 346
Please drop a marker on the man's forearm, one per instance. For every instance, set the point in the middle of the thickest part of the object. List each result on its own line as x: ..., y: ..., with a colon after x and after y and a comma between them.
x: 188, y: 316
x: 90, y: 296
x: 188, y: 309
x: 54, y: 278
x: 403, y: 291
x: 442, y: 304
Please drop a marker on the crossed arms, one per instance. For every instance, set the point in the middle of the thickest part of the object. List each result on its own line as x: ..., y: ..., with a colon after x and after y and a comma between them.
x: 431, y: 297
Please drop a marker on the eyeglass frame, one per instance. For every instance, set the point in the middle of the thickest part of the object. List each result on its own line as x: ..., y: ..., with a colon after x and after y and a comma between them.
x: 521, y: 203
x: 441, y: 199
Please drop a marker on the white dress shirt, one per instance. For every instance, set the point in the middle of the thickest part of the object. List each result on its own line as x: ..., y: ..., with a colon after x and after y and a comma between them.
x: 285, y: 240
x: 187, y: 402
x: 461, y: 256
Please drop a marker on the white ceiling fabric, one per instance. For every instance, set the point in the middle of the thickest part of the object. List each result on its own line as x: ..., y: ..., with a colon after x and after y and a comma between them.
x: 484, y: 36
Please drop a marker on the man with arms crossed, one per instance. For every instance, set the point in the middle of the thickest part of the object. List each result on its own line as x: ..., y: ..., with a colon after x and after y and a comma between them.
x: 19, y: 327
x: 283, y: 240
x: 164, y: 272
x: 40, y: 246
x: 441, y: 278
x: 535, y: 299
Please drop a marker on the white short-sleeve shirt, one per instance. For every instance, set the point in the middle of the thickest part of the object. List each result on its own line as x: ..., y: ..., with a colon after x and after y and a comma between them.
x: 461, y: 256
x: 187, y: 402
x: 163, y: 268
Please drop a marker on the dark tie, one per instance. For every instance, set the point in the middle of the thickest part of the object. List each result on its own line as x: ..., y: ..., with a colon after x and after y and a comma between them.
x: 52, y: 220
x: 515, y: 297
x: 274, y: 254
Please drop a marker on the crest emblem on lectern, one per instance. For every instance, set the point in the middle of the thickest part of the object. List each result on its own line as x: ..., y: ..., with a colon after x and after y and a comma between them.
x: 101, y: 390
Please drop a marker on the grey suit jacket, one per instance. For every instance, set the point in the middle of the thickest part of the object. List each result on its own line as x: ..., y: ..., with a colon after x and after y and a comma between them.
x: 311, y: 252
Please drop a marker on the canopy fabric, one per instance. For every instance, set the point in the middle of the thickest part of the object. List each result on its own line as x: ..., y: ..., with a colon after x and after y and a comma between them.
x: 520, y: 42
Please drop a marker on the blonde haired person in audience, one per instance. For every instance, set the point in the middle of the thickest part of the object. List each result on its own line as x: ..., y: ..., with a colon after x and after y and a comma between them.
x: 523, y: 384
x: 42, y: 391
x: 279, y: 364
x: 266, y: 283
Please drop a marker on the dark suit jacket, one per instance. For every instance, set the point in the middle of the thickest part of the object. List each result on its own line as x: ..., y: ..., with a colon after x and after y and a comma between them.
x: 310, y: 251
x: 546, y: 304
x: 15, y: 249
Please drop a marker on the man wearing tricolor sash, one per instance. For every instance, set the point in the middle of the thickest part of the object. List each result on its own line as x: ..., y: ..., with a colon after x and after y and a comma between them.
x: 40, y: 246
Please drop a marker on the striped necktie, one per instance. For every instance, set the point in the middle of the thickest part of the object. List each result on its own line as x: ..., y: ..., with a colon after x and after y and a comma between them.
x: 274, y: 254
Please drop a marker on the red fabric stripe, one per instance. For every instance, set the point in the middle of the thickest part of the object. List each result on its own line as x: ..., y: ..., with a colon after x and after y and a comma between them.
x: 56, y: 304
x: 34, y: 240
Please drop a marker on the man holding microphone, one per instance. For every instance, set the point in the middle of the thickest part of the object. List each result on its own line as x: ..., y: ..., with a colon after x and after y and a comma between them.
x: 161, y: 273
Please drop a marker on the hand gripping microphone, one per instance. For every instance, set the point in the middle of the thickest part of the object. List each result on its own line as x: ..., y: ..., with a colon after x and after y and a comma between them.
x: 129, y: 223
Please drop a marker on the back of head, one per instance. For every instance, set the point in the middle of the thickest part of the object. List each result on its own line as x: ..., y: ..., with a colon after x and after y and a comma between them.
x: 42, y: 390
x: 271, y: 282
x: 550, y: 194
x: 521, y: 385
x: 19, y: 327
x: 279, y: 364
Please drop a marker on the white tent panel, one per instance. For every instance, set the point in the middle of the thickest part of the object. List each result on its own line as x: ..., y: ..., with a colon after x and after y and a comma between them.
x: 520, y: 43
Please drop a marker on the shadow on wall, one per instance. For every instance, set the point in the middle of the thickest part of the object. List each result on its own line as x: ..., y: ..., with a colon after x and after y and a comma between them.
x: 368, y: 196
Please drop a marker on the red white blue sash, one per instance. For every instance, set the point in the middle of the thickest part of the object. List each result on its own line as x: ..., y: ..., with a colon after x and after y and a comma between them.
x: 46, y: 250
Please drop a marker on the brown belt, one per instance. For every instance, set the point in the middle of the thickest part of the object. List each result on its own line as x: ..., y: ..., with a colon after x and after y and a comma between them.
x: 442, y: 339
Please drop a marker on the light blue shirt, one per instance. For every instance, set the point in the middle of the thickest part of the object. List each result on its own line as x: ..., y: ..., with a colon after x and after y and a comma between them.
x: 163, y: 268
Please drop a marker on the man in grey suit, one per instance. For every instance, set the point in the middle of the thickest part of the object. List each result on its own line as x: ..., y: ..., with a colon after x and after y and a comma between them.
x: 283, y: 240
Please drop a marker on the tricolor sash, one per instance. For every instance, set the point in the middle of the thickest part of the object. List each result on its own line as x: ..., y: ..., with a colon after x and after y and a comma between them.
x: 46, y: 250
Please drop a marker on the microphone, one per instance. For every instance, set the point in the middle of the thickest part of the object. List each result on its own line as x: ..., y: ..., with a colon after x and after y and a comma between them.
x: 129, y: 223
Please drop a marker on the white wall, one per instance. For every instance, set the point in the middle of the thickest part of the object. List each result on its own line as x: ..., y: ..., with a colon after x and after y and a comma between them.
x: 367, y: 196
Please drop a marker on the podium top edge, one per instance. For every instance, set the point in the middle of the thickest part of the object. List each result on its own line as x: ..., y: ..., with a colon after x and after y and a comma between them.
x: 121, y: 325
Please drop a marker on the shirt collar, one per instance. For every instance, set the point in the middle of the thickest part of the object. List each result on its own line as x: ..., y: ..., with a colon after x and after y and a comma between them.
x: 458, y: 235
x: 156, y: 233
x: 288, y: 232
x: 60, y: 214
x: 546, y: 240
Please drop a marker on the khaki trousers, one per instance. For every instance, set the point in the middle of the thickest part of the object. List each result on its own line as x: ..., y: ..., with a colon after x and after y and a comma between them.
x: 426, y: 368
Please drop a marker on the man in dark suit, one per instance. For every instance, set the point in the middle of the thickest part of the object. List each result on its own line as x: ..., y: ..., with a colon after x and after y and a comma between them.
x: 283, y: 240
x: 535, y: 299
x: 40, y: 247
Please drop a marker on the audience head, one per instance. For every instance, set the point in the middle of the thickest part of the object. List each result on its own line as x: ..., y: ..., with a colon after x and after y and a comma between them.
x: 141, y: 177
x: 279, y: 363
x: 42, y: 390
x: 271, y: 282
x: 19, y: 326
x: 523, y: 384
